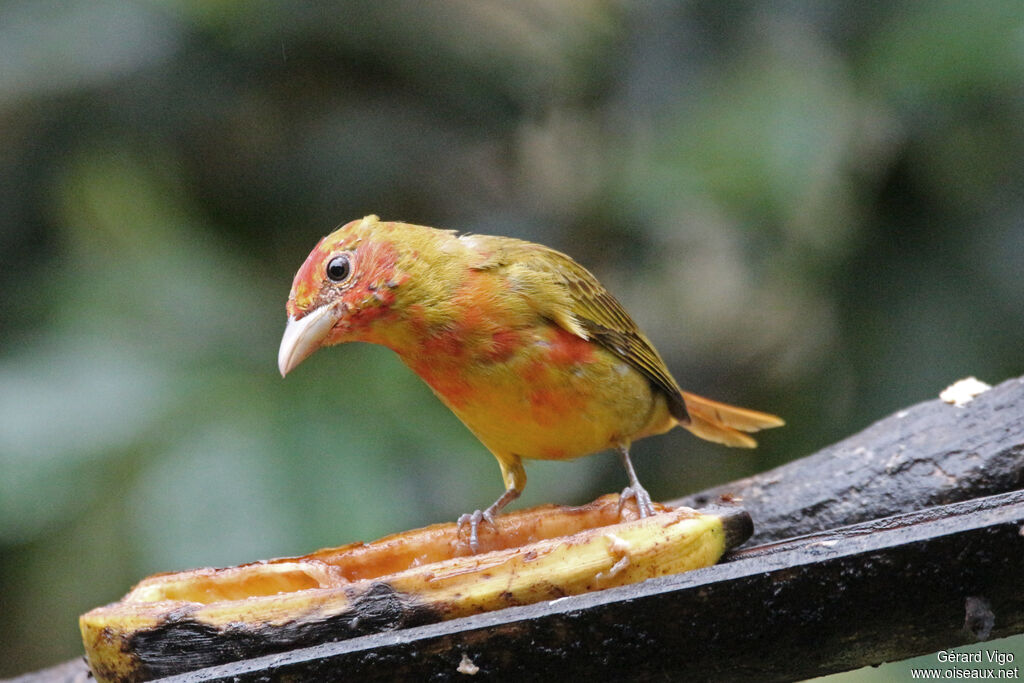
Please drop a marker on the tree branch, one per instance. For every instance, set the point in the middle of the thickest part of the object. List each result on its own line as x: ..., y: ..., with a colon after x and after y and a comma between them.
x: 930, y: 454
x: 861, y: 595
x: 905, y: 556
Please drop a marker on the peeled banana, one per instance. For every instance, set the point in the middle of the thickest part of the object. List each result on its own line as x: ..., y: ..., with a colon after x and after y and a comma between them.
x: 171, y: 623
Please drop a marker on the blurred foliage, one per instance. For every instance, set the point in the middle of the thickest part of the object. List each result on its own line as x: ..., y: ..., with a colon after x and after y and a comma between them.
x: 812, y: 208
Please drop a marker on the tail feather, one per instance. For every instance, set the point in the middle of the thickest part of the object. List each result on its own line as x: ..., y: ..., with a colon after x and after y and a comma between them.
x: 725, y: 424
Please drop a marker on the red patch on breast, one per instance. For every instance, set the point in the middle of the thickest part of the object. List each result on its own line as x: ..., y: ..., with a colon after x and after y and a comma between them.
x: 445, y: 380
x: 554, y: 454
x: 505, y: 343
x: 447, y: 344
x: 534, y: 371
x: 567, y: 349
x: 549, y: 405
x: 544, y: 399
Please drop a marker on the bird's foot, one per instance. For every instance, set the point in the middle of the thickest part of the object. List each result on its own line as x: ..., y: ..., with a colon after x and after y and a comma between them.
x: 643, y: 500
x: 473, y: 520
x: 477, y: 517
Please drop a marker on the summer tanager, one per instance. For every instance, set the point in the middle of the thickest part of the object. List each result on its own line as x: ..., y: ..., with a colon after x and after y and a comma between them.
x: 521, y: 342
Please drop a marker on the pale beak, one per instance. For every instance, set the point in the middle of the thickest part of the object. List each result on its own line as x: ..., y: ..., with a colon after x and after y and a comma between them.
x: 304, y: 336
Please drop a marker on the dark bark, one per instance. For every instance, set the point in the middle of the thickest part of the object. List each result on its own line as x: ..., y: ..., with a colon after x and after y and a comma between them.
x: 864, y: 594
x: 930, y: 454
x: 865, y: 587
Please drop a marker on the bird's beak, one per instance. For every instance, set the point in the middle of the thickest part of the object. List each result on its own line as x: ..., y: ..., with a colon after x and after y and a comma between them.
x: 304, y: 336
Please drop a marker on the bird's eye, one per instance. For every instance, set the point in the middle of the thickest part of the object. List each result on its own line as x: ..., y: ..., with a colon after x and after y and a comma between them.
x: 339, y: 268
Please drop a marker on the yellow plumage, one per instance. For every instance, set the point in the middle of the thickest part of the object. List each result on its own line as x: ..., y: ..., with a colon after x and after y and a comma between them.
x: 524, y: 344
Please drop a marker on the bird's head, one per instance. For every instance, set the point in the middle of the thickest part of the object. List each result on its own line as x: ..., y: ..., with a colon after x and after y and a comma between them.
x: 346, y: 288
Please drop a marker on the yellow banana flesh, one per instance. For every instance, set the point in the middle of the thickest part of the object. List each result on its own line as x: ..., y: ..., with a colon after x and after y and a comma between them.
x: 170, y: 623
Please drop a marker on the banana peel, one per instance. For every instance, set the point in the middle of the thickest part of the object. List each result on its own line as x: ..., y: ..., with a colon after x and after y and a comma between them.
x: 177, y: 622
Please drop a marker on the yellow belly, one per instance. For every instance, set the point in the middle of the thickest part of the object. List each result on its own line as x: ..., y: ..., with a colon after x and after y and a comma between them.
x: 564, y: 399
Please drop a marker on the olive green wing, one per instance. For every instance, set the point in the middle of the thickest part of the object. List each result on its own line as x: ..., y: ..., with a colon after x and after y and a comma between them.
x: 567, y: 293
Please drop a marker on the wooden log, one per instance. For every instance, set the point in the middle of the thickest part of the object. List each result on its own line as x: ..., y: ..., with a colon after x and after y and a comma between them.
x: 860, y: 595
x: 933, y: 453
x: 875, y: 581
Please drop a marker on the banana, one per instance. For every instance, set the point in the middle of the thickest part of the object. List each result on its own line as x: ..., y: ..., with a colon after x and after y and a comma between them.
x: 170, y: 623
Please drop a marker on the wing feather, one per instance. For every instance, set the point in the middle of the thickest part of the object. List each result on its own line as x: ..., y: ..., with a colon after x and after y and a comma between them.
x: 567, y: 293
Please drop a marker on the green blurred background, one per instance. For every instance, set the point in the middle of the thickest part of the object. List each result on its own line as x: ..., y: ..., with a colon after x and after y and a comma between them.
x: 814, y: 209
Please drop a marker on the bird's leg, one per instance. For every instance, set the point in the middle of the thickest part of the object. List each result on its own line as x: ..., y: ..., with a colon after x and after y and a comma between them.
x: 476, y: 516
x: 515, y: 480
x: 473, y: 519
x: 634, y: 490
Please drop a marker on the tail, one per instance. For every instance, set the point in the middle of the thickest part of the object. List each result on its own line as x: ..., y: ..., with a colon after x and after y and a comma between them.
x: 726, y: 424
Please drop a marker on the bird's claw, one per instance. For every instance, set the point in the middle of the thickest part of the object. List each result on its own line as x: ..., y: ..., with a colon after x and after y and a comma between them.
x: 643, y: 500
x: 474, y: 519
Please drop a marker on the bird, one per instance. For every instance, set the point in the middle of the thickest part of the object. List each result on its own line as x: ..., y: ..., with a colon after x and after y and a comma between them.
x: 521, y: 342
